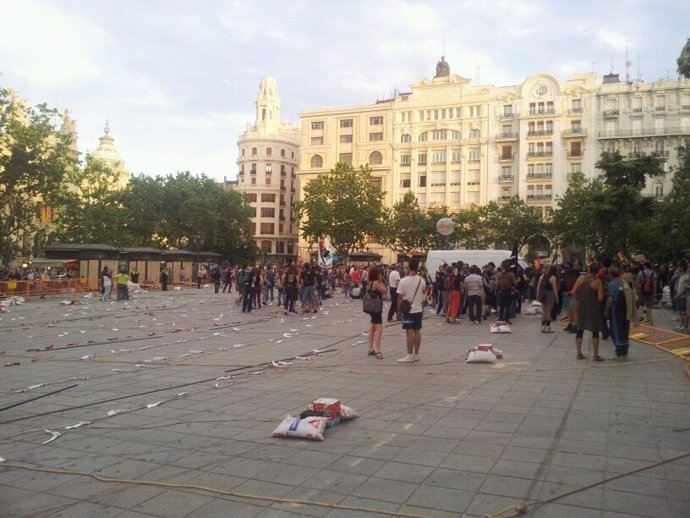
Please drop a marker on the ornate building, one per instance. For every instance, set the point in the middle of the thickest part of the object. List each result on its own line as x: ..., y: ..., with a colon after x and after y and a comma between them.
x: 107, y: 154
x: 458, y: 144
x: 268, y: 162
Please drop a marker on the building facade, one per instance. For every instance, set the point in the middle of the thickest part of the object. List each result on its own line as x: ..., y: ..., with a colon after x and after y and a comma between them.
x: 641, y: 119
x: 462, y: 145
x: 268, y: 163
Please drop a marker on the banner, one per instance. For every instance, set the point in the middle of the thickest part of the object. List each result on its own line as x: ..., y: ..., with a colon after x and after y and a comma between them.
x: 514, y: 258
x: 324, y: 254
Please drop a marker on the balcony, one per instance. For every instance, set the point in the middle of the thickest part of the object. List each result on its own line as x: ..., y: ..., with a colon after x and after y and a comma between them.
x: 575, y: 153
x: 660, y: 154
x: 506, y: 157
x: 576, y: 110
x: 540, y: 133
x: 540, y: 154
x: 506, y: 178
x: 685, y: 108
x: 543, y: 111
x: 660, y: 108
x: 539, y: 176
x: 504, y: 198
x: 637, y: 154
x: 507, y: 135
x: 575, y: 133
x: 608, y: 114
x: 507, y: 116
x: 571, y: 175
x: 637, y: 112
x: 676, y: 130
x: 539, y: 197
x: 252, y: 171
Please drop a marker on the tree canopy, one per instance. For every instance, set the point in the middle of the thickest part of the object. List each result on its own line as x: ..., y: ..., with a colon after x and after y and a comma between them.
x: 342, y: 205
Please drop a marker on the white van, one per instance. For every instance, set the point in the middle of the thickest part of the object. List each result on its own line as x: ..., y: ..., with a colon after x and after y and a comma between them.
x: 477, y: 257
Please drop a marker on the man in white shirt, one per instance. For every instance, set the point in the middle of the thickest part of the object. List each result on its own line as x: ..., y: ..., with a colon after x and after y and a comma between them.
x: 393, y: 280
x: 412, y: 288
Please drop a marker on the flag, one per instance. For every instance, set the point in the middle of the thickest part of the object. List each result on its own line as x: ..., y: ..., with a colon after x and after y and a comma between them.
x: 514, y: 258
x: 324, y: 253
x: 554, y: 260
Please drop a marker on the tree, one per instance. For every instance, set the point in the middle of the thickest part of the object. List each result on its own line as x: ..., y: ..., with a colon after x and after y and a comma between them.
x: 343, y: 205
x: 514, y: 221
x: 91, y: 210
x: 627, y: 206
x: 403, y: 225
x: 471, y: 229
x: 34, y: 158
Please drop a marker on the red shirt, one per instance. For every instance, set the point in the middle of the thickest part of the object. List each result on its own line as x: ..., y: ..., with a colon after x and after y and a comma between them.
x: 356, y: 276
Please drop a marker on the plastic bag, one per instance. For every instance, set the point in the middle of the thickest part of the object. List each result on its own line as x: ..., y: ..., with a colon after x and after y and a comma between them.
x: 309, y: 428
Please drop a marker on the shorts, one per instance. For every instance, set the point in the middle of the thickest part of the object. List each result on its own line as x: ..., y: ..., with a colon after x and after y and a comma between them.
x: 681, y: 305
x: 647, y: 300
x: 412, y: 321
x: 376, y: 318
x: 566, y: 301
x: 308, y: 294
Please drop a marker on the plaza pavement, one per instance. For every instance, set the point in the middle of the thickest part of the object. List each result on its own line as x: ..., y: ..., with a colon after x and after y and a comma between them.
x: 176, y: 392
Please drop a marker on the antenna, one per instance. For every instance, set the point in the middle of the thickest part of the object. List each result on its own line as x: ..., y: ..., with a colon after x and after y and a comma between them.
x: 611, y: 65
x: 639, y: 75
x: 627, y: 66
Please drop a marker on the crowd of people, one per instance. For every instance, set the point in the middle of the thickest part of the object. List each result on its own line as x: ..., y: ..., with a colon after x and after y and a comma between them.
x: 603, y: 298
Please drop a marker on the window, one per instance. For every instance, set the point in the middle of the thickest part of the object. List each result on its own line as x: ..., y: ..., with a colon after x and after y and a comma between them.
x: 269, y: 168
x: 269, y: 151
x: 253, y: 182
x: 405, y: 138
x: 268, y: 180
x: 345, y: 139
x: 422, y: 181
x: 252, y: 169
x: 576, y: 105
x: 268, y: 198
x: 507, y: 110
x: 405, y: 160
x: 405, y: 183
x: 243, y: 150
x: 251, y: 197
x: 252, y: 212
x: 424, y: 136
x: 439, y: 134
x: 474, y: 154
x: 576, y: 168
x: 268, y: 212
x: 455, y: 178
x: 375, y: 121
x: 266, y: 246
x: 282, y: 153
x: 345, y: 123
x: 421, y: 159
x: 377, y: 182
x: 659, y: 190
x: 438, y: 178
x: 268, y: 228
x: 438, y: 157
x: 475, y: 133
x: 375, y: 158
x: 316, y: 161
x: 253, y: 151
x: 506, y: 152
x: 374, y: 137
x: 282, y: 170
x: 316, y: 141
x: 345, y: 158
x: 455, y: 155
x: 317, y: 125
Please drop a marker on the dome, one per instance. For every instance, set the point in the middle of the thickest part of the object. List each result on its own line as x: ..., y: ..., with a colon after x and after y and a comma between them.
x: 107, y: 153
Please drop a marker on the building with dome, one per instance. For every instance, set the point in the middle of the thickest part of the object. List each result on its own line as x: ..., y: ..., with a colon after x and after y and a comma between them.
x: 268, y: 162
x: 109, y: 155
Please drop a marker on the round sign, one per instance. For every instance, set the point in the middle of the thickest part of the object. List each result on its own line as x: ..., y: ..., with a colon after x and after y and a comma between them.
x: 445, y: 226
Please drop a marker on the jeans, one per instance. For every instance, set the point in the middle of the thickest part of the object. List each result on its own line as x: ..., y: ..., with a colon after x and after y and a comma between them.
x: 475, y: 306
x: 394, y: 303
x: 290, y: 297
x: 505, y: 300
x: 247, y: 299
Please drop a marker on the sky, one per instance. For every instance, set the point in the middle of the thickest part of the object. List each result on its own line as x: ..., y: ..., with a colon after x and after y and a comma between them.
x: 177, y: 80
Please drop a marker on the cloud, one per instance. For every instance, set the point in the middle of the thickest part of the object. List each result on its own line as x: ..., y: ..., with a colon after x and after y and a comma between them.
x: 48, y: 47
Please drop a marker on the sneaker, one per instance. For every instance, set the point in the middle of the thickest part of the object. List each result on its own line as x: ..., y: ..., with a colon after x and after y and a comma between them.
x: 416, y: 357
x: 285, y: 312
x: 408, y: 358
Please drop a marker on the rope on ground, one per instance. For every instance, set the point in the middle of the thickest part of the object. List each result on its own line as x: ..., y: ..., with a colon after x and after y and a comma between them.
x: 516, y: 510
x: 223, y: 492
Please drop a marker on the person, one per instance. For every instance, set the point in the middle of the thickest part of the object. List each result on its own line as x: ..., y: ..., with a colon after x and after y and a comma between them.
x: 440, y: 289
x: 678, y: 293
x: 106, y: 283
x: 308, y: 289
x: 376, y: 289
x: 247, y: 289
x: 290, y: 285
x: 589, y: 291
x: 413, y: 289
x: 620, y: 304
x: 215, y: 275
x: 647, y: 282
x: 270, y: 282
x: 278, y: 283
x: 569, y: 303
x: 393, y: 280
x: 474, y: 287
x: 122, y: 291
x: 548, y: 296
x: 454, y: 288
x: 164, y: 278
x: 135, y: 276
x: 505, y: 283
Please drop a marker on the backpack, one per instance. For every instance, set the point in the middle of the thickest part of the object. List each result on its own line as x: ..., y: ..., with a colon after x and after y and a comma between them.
x: 647, y: 284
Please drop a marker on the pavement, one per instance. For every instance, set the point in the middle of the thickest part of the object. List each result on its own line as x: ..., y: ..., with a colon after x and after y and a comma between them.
x: 163, y: 406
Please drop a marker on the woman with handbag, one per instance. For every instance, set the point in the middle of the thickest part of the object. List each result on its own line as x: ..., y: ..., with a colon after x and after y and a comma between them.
x: 373, y: 305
